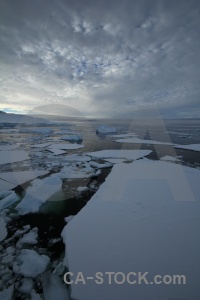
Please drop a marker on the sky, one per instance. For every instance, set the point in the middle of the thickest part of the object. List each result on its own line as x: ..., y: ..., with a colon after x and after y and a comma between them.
x: 101, y: 58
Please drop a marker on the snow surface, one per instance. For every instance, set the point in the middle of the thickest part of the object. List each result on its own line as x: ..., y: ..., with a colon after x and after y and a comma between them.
x: 104, y: 129
x: 37, y: 194
x: 143, y: 218
x: 12, y: 156
x: 3, y: 230
x: 30, y: 264
x: 135, y: 140
x: 193, y: 147
x: 77, y: 158
x: 126, y: 154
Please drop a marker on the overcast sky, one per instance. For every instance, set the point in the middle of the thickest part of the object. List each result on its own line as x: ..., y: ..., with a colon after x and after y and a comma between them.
x: 102, y: 58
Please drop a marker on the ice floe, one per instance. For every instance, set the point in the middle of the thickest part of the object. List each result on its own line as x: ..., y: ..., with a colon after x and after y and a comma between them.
x: 77, y: 158
x: 21, y: 177
x: 7, y: 294
x: 58, y: 148
x: 136, y: 140
x: 104, y: 129
x: 4, y: 185
x: 126, y: 154
x: 140, y: 218
x: 38, y: 194
x: 193, y: 147
x: 39, y: 130
x: 13, y: 156
x: 30, y: 264
x: 42, y: 145
x: 29, y: 238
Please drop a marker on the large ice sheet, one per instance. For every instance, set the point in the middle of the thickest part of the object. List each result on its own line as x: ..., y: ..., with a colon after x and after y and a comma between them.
x: 127, y: 154
x: 38, y: 194
x: 12, y: 156
x: 144, y: 218
x: 193, y: 147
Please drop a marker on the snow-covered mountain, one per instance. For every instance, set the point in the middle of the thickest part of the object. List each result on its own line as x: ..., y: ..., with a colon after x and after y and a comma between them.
x: 17, y: 118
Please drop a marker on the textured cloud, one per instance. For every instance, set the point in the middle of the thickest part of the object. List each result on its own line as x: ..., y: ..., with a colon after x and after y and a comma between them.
x: 103, y: 58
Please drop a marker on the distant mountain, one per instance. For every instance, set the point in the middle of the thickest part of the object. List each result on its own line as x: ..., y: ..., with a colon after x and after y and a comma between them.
x: 16, y: 118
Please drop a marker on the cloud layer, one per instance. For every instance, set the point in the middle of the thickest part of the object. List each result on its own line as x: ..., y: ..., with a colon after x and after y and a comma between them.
x: 103, y: 58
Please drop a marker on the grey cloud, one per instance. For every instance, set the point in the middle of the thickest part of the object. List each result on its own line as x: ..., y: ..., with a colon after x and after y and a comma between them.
x: 113, y: 57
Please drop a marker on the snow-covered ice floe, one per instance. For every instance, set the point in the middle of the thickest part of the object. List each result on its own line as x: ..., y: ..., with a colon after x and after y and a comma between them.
x: 37, y: 194
x: 193, y: 147
x: 143, y: 218
x: 30, y: 264
x: 136, y: 140
x: 77, y: 158
x: 126, y: 154
x: 42, y: 145
x: 104, y: 129
x: 12, y: 156
x: 73, y: 172
x: 54, y: 288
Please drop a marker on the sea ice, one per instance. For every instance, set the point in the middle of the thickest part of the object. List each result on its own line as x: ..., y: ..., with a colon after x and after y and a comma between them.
x: 57, y: 148
x: 7, y: 147
x: 30, y: 264
x: 126, y: 154
x: 77, y: 158
x: 143, y: 218
x: 169, y: 158
x: 135, y: 140
x: 26, y: 285
x: 21, y: 177
x: 38, y: 194
x: 7, y: 294
x: 12, y: 156
x: 40, y: 130
x: 29, y: 238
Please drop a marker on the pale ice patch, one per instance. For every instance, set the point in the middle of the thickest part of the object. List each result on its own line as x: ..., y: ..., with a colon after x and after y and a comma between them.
x: 142, y: 219
x: 37, y: 194
x: 82, y: 189
x: 30, y: 264
x: 126, y: 154
x: 193, y: 147
x: 12, y: 156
